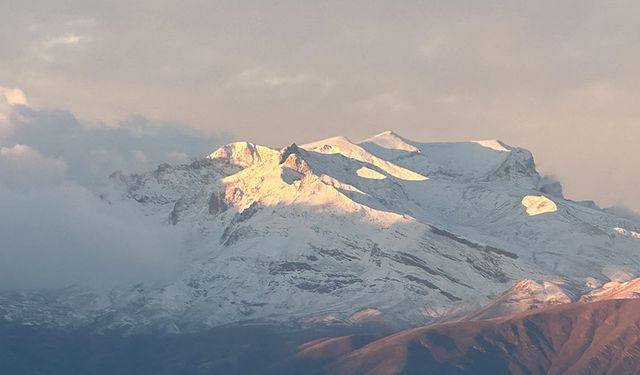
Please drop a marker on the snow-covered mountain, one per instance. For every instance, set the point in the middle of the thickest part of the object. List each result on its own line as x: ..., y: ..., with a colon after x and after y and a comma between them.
x: 386, y: 229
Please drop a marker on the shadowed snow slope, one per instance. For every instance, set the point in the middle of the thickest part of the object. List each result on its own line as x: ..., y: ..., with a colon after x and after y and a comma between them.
x: 321, y: 232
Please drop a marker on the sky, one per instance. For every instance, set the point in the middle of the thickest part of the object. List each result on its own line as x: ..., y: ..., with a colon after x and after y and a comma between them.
x: 558, y: 78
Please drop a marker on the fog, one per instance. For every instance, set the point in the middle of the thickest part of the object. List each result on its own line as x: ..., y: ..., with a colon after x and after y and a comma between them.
x: 56, y: 231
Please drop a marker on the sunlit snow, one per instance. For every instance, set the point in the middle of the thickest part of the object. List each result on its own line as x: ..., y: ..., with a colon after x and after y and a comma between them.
x: 537, y: 205
x: 370, y: 173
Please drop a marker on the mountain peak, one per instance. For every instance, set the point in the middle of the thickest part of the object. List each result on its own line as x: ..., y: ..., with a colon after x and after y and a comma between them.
x: 331, y: 145
x: 392, y: 141
x: 387, y: 133
x: 243, y: 154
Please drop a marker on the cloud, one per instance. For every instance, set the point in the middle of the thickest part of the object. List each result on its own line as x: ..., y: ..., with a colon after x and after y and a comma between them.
x: 56, y: 229
x: 13, y: 97
x: 66, y: 39
x: 51, y: 45
x: 389, y: 101
x: 56, y: 233
x: 258, y: 77
x: 24, y: 169
x: 93, y: 150
x: 9, y: 97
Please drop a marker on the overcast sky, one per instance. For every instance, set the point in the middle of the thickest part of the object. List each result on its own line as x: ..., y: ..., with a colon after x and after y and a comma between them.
x: 561, y: 78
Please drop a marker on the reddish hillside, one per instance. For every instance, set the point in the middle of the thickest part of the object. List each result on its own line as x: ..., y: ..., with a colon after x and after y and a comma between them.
x: 581, y: 338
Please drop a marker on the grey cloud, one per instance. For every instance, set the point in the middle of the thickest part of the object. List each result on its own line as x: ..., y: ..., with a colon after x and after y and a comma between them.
x: 56, y: 233
x: 93, y: 150
x: 55, y: 228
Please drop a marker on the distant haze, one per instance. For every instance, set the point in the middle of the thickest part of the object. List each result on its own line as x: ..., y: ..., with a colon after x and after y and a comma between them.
x: 559, y: 78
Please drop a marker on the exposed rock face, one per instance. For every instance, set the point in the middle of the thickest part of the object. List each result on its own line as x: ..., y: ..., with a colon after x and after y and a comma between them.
x: 518, y: 166
x: 551, y: 186
x: 179, y: 207
x: 217, y: 202
x: 285, y: 152
x: 296, y: 162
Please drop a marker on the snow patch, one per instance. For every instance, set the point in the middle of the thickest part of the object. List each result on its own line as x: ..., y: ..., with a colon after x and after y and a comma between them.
x: 537, y: 205
x: 592, y: 283
x: 494, y: 144
x: 627, y: 233
x: 364, y: 314
x: 370, y: 173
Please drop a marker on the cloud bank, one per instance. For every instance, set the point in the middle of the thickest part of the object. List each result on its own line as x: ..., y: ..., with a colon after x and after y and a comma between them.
x: 94, y: 150
x: 56, y: 230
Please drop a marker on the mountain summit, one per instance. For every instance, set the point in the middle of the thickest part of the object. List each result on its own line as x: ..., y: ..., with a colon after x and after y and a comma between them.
x: 388, y: 230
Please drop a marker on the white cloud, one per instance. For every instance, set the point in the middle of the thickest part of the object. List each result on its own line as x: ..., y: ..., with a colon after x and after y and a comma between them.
x: 13, y: 96
x: 69, y: 39
x: 9, y: 97
x: 389, y: 101
x: 51, y: 46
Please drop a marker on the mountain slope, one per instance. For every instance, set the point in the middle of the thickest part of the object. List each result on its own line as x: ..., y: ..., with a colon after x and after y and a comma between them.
x: 614, y: 290
x: 523, y: 296
x: 593, y: 338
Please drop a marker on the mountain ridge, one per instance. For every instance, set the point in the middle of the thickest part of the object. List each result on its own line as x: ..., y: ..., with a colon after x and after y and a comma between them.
x: 589, y: 338
x: 316, y: 233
